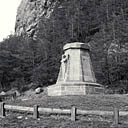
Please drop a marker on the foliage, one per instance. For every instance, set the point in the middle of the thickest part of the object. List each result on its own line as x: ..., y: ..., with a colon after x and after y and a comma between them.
x: 22, y: 61
x: 101, y: 23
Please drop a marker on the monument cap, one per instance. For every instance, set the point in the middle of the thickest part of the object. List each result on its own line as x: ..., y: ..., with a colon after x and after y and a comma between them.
x: 76, y: 45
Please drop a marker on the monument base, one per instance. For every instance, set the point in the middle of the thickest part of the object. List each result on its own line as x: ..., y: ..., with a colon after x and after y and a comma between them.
x: 71, y: 88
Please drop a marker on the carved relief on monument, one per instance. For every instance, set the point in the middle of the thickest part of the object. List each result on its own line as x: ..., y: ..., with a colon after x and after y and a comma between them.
x: 64, y: 65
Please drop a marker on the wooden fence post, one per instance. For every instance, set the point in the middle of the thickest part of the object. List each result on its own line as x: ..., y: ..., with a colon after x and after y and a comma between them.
x: 116, y: 116
x: 14, y: 95
x: 2, y: 110
x: 35, y: 112
x: 73, y: 113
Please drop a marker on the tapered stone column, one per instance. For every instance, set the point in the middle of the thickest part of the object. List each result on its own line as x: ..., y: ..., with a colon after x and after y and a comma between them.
x: 76, y: 76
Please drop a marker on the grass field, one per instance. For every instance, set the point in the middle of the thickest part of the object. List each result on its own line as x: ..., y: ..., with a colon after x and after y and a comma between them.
x: 89, y: 102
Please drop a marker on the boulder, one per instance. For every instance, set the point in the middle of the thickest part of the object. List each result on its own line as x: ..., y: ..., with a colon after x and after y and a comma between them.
x: 3, y: 93
x: 38, y: 90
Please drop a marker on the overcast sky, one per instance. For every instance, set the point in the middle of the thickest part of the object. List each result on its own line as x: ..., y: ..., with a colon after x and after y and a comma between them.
x: 8, y: 9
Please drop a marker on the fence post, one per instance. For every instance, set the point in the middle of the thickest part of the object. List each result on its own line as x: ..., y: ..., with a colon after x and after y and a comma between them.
x: 73, y: 113
x: 35, y: 112
x: 14, y: 95
x: 116, y: 116
x: 2, y: 110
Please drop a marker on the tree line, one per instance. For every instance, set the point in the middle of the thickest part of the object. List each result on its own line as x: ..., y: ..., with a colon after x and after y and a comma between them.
x: 101, y: 23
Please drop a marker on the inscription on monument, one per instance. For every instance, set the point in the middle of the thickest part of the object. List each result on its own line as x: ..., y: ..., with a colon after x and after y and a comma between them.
x: 86, y: 68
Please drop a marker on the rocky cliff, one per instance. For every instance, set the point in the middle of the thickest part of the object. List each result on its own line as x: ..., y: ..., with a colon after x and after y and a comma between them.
x: 104, y: 24
x: 29, y: 14
x: 79, y: 18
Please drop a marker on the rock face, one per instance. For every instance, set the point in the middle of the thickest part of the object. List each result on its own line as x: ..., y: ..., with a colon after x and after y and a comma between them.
x: 72, y: 16
x: 29, y: 14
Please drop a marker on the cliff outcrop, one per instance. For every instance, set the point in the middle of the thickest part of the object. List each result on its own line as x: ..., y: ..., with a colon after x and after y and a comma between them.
x: 29, y: 14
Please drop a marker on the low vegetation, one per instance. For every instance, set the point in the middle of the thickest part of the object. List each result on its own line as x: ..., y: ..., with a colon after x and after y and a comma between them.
x: 89, y: 102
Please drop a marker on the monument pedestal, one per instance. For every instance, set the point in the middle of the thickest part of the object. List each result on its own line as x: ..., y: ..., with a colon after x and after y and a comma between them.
x: 73, y: 88
x: 76, y: 76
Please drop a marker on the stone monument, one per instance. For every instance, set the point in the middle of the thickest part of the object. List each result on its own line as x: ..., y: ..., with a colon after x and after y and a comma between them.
x: 76, y: 76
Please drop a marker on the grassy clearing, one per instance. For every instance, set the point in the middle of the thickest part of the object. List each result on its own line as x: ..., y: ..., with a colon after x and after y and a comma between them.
x: 89, y: 102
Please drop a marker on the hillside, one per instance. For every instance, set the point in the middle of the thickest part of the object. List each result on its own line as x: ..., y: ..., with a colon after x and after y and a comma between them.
x: 102, y: 24
x: 32, y: 56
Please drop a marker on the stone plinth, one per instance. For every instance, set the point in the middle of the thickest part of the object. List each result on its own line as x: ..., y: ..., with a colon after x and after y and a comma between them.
x: 76, y: 76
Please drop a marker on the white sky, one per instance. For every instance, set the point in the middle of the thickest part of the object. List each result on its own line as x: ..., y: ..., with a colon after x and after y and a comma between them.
x: 8, y: 9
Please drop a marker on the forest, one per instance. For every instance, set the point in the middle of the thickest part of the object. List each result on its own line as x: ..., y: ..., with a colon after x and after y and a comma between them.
x: 26, y: 61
